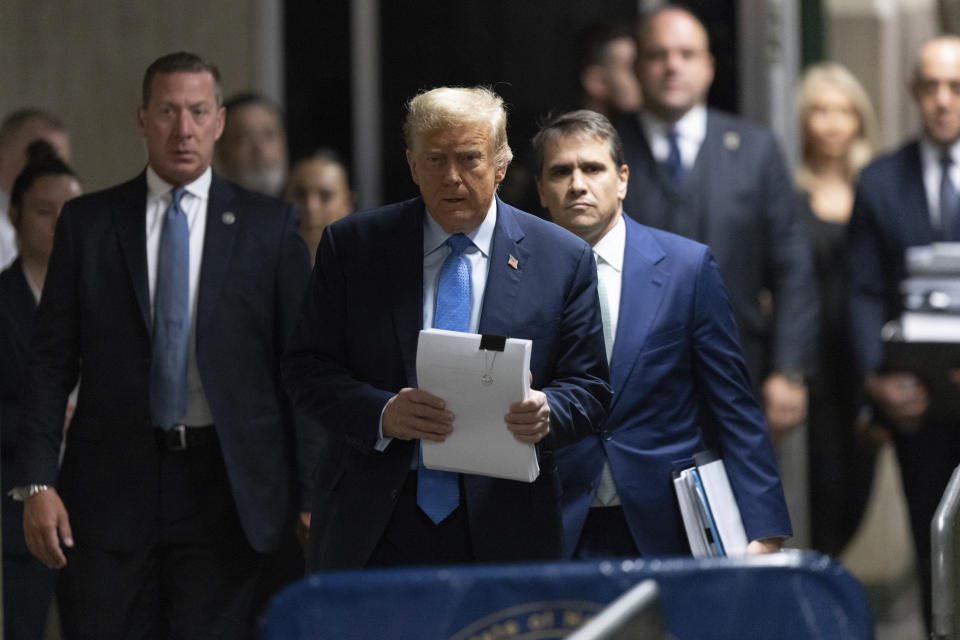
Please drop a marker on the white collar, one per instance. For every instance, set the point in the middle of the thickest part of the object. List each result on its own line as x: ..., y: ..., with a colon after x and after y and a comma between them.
x: 611, y: 246
x: 482, y: 237
x: 158, y: 187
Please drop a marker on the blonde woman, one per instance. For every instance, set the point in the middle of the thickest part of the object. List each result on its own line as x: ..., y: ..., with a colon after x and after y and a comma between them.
x: 838, y: 129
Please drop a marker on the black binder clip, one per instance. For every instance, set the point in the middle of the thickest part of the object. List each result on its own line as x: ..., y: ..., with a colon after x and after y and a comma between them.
x: 490, y: 345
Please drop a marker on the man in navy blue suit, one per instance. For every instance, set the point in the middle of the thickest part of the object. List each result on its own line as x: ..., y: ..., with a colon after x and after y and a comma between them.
x: 675, y: 365
x: 903, y: 200
x: 351, y: 363
x: 171, y: 497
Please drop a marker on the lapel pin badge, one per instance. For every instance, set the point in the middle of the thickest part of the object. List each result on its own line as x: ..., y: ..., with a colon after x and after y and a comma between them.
x: 513, y: 262
x: 731, y: 140
x: 228, y: 217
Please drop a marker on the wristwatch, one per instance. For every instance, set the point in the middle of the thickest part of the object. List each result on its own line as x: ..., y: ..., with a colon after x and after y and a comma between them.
x: 23, y: 492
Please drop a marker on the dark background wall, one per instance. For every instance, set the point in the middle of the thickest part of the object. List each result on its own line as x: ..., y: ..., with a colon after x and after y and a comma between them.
x: 525, y: 50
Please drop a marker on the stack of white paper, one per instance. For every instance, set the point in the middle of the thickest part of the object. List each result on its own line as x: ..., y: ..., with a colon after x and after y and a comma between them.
x: 478, y: 386
x: 711, y: 516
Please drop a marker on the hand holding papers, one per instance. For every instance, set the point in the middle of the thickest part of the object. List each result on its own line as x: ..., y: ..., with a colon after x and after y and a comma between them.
x: 478, y: 386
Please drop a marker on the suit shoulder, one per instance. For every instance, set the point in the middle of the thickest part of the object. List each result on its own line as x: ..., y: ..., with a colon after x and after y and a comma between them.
x: 246, y: 200
x: 380, y: 220
x: 554, y: 234
x: 675, y: 247
x: 893, y: 162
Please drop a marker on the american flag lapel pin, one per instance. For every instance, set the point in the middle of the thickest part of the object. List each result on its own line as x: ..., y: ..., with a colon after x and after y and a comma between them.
x: 513, y: 262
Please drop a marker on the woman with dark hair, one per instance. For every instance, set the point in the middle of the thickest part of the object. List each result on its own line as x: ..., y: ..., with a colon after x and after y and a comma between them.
x: 37, y: 196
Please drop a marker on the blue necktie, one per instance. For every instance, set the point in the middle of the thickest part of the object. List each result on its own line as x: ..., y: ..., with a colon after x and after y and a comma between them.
x: 438, y: 492
x: 171, y: 319
x: 674, y: 161
x: 949, y: 202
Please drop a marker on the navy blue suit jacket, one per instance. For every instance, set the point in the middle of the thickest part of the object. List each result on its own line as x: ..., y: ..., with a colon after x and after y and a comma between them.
x: 355, y: 347
x: 676, y: 363
x: 747, y: 213
x: 94, y: 321
x: 890, y: 213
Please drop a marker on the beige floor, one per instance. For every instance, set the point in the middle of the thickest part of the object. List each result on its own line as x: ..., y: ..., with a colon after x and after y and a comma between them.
x: 881, y: 556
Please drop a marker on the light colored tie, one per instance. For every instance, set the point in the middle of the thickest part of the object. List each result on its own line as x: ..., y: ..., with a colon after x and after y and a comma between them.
x: 604, y: 309
x: 438, y: 492
x: 171, y: 318
x: 607, y: 491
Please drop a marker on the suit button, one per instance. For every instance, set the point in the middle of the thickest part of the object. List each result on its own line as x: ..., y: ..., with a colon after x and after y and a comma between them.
x: 393, y: 494
x: 607, y: 436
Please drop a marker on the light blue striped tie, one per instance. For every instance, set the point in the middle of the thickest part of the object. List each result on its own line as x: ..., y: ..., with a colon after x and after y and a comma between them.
x: 171, y: 319
x: 438, y: 492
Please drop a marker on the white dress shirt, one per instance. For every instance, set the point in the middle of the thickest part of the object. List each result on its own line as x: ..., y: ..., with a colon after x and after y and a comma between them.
x: 930, y: 160
x: 691, y: 132
x: 194, y: 205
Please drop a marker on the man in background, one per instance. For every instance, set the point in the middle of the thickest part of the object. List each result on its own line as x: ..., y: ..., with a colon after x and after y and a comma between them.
x: 17, y: 130
x: 904, y: 199
x: 253, y: 149
x: 675, y: 361
x: 607, y: 72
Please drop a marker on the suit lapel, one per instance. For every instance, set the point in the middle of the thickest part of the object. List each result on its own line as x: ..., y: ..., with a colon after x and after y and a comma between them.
x: 218, y: 242
x: 508, y: 258
x: 406, y: 284
x: 130, y: 221
x: 644, y: 280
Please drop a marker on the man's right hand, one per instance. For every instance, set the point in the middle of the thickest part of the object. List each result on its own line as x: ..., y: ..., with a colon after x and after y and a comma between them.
x: 415, y: 414
x: 45, y: 525
x: 900, y: 396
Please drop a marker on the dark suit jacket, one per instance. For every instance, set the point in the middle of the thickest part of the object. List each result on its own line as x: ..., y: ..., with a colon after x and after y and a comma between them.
x: 94, y: 321
x: 17, y: 308
x: 748, y: 216
x: 355, y: 347
x: 676, y: 350
x: 890, y: 213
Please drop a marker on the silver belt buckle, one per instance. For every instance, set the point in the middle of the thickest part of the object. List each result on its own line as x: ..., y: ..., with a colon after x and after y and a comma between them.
x: 182, y: 432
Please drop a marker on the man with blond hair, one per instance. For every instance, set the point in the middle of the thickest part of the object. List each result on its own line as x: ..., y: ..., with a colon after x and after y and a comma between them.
x: 380, y: 277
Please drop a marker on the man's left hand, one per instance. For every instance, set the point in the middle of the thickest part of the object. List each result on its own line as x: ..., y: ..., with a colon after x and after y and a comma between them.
x: 529, y: 420
x: 784, y: 403
x: 764, y: 545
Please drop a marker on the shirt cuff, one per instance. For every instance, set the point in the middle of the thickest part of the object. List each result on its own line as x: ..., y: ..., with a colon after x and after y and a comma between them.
x: 382, y: 442
x: 23, y: 492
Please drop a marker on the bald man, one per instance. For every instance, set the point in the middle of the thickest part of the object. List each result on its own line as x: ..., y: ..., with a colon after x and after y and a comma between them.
x: 899, y: 204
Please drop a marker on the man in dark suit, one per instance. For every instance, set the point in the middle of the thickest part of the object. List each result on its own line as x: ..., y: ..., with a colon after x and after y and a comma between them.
x: 904, y: 199
x: 675, y: 361
x: 378, y: 280
x: 171, y: 296
x: 720, y: 180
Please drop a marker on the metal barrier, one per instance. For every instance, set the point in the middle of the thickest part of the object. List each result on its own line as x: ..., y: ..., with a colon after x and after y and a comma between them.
x: 635, y: 616
x: 943, y: 529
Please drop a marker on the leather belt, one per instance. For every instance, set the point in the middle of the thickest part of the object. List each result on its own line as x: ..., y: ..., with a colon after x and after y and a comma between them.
x: 182, y: 437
